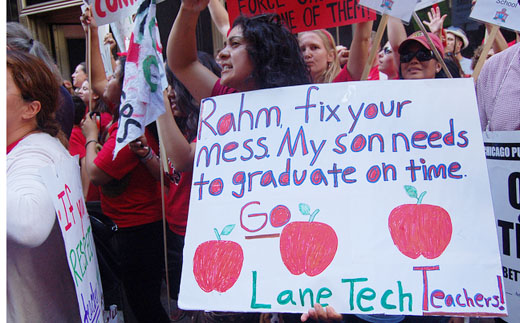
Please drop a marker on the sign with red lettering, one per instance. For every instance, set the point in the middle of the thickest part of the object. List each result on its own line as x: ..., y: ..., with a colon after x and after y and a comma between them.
x: 302, y: 15
x: 64, y: 185
x: 503, y: 160
x: 108, y: 11
x: 372, y: 197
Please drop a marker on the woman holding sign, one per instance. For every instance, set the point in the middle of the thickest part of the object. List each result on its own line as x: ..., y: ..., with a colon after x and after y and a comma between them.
x: 130, y: 196
x: 39, y: 283
x: 260, y: 53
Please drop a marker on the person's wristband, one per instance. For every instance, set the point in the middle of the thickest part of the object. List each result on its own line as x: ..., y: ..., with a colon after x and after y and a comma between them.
x: 91, y: 140
x: 149, y: 155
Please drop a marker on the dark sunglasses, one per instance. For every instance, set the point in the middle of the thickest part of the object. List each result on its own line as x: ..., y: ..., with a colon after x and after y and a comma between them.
x: 422, y: 55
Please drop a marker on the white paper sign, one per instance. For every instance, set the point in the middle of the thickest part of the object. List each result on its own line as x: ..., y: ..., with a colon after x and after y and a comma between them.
x: 421, y: 4
x: 106, y: 54
x: 503, y: 159
x: 122, y: 30
x: 504, y: 13
x: 317, y: 193
x: 401, y: 9
x: 64, y: 185
x: 107, y: 11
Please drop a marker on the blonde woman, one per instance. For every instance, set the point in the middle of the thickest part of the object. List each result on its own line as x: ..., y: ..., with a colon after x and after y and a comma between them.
x: 319, y: 51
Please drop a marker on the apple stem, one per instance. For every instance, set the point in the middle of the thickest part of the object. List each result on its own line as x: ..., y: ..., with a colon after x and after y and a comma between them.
x: 420, y: 198
x: 217, y: 234
x: 313, y: 215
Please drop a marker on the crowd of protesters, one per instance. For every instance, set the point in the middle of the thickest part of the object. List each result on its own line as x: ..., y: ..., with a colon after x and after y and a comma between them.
x: 44, y: 120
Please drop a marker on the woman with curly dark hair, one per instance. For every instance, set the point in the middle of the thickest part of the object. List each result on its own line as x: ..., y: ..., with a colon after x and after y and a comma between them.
x: 260, y: 53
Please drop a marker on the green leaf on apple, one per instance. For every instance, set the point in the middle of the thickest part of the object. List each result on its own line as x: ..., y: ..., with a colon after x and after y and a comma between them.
x: 412, y: 192
x: 227, y: 229
x: 305, y: 209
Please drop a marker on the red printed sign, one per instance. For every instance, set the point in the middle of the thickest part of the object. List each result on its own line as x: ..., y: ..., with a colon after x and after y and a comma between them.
x: 108, y: 11
x: 301, y: 15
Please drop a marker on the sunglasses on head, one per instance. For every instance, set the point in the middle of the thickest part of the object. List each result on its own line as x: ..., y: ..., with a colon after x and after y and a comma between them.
x: 422, y: 55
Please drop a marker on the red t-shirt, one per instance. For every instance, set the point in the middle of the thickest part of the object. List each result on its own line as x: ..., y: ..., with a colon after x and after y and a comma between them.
x: 134, y: 196
x: 344, y: 75
x: 219, y: 89
x: 178, y: 200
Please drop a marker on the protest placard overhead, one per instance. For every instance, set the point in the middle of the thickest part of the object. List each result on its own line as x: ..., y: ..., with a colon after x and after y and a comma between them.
x: 317, y: 193
x: 421, y: 4
x: 108, y: 11
x: 64, y: 185
x: 304, y: 15
x: 145, y: 78
x: 503, y: 159
x: 401, y: 9
x: 504, y: 13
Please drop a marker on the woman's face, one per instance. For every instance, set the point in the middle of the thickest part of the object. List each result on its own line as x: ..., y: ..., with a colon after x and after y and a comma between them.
x: 416, y: 69
x: 237, y: 67
x: 113, y: 88
x: 15, y: 103
x: 84, y: 93
x: 315, y: 53
x: 387, y: 62
x: 78, y: 77
x: 172, y: 97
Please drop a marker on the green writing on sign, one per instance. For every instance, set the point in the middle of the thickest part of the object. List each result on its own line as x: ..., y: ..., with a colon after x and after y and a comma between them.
x: 81, y: 256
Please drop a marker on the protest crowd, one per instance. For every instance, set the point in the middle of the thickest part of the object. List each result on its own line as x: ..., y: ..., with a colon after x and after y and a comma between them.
x: 48, y: 121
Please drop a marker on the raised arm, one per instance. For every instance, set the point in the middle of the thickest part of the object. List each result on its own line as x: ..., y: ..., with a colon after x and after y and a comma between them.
x: 220, y: 16
x: 359, y: 49
x: 435, y: 21
x: 182, y: 51
x: 97, y: 78
x: 178, y: 150
x: 396, y: 35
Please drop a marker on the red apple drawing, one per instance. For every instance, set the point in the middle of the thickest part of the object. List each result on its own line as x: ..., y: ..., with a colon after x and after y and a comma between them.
x: 420, y: 229
x: 217, y: 263
x: 307, y: 247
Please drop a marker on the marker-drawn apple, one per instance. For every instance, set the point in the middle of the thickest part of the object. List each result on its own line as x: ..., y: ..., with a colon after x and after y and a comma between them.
x: 420, y: 229
x: 217, y: 263
x: 308, y: 247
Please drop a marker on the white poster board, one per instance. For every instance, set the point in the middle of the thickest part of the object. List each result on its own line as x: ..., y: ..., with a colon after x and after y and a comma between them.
x: 107, y: 11
x: 64, y: 185
x: 503, y: 159
x: 421, y: 4
x: 504, y: 13
x: 106, y: 54
x: 122, y: 30
x: 347, y: 156
x: 402, y: 9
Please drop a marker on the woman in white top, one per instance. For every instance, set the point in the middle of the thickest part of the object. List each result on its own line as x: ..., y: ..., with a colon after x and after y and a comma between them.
x: 39, y: 283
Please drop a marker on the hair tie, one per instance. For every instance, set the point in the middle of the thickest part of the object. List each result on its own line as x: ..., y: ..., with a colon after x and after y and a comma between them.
x: 122, y: 54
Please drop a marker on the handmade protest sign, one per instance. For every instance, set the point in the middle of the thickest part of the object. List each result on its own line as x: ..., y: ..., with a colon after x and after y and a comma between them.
x: 372, y: 197
x: 503, y: 160
x: 64, y: 185
x: 504, y: 13
x: 145, y: 78
x: 304, y: 15
x: 108, y: 11
x: 401, y: 9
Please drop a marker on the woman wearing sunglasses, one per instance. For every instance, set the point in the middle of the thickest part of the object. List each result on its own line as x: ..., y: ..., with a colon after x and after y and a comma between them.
x: 416, y: 58
x: 413, y: 55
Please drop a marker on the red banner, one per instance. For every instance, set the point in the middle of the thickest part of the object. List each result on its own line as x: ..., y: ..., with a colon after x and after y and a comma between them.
x: 301, y: 15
